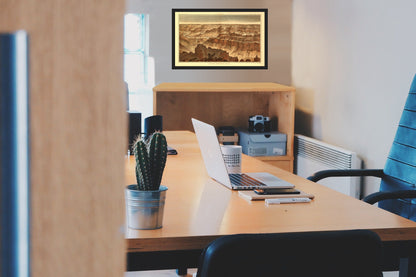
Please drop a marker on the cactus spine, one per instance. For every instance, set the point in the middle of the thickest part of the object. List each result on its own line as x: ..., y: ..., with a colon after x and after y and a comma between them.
x: 150, y: 161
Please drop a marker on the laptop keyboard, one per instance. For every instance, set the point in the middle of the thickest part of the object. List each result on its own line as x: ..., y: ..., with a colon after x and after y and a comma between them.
x: 244, y: 181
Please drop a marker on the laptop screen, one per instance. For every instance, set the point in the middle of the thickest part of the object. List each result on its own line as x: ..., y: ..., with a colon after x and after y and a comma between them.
x: 211, y: 152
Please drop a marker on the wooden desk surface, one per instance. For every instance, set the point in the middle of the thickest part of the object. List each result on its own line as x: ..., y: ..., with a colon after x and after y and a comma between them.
x: 198, y: 209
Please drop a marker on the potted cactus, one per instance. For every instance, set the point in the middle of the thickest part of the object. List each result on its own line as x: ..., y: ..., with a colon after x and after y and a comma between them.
x: 146, y: 199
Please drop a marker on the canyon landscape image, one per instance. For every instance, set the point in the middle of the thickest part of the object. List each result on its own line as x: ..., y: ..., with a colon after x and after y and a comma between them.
x: 220, y: 38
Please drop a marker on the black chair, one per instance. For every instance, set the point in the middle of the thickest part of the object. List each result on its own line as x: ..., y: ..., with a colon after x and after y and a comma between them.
x: 334, y: 253
x: 398, y: 179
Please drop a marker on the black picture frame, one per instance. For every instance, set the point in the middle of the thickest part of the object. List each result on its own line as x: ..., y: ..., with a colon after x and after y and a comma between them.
x: 219, y: 39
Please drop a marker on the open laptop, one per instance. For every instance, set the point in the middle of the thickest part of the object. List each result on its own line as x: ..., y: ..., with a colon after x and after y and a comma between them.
x: 217, y: 170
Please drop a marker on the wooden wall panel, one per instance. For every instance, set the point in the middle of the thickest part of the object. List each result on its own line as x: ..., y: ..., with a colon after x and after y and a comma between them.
x: 78, y: 133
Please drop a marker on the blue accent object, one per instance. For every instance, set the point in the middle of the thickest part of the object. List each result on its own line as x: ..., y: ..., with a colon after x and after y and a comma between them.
x: 400, y: 168
x: 14, y: 156
x: 398, y: 178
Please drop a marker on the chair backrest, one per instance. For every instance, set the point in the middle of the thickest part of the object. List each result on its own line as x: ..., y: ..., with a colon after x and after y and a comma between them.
x: 400, y: 168
x: 335, y: 253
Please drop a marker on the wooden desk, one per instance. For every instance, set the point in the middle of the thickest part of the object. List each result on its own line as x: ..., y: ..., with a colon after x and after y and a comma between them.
x: 198, y: 210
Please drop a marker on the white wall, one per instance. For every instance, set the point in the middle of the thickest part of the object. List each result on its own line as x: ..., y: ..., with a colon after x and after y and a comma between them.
x: 352, y: 64
x: 350, y: 61
x: 280, y: 19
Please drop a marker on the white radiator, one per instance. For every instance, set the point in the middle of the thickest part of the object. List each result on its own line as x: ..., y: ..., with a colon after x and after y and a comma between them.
x: 312, y: 155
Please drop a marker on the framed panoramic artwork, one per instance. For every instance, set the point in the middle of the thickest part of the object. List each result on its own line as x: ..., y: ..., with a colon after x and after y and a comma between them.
x: 219, y: 38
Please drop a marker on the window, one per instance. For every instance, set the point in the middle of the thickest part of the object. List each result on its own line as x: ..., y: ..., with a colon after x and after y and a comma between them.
x: 138, y: 65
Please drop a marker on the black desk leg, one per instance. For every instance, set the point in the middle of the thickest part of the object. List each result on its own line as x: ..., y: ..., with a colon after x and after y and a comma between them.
x: 407, y: 267
x: 182, y: 271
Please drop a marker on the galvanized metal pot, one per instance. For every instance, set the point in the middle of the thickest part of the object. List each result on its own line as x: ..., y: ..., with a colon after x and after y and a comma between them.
x: 144, y: 209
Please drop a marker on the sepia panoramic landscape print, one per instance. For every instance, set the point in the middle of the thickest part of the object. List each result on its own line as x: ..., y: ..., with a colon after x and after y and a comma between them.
x: 218, y: 39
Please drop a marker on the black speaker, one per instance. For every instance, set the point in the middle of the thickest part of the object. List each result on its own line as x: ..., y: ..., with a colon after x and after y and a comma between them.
x: 152, y: 124
x: 135, y: 128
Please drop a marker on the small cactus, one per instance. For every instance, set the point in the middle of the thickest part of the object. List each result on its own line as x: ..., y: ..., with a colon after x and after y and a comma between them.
x: 150, y: 161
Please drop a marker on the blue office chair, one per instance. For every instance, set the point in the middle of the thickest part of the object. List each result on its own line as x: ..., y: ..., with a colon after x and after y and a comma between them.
x: 334, y: 253
x: 397, y: 189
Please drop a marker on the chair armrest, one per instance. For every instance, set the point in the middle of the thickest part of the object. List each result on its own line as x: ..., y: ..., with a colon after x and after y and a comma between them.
x: 384, y: 195
x: 345, y: 173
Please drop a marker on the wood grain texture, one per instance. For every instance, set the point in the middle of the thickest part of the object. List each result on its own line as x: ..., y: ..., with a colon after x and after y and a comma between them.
x: 78, y: 133
x: 284, y: 164
x: 198, y: 209
x: 228, y: 104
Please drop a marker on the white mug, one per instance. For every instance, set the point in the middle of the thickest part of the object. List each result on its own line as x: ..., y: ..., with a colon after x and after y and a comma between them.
x: 232, y: 157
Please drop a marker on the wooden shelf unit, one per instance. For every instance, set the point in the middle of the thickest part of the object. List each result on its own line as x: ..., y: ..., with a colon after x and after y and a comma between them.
x: 228, y: 104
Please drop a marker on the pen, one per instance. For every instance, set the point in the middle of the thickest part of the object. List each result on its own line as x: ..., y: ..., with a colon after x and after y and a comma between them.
x: 287, y: 200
